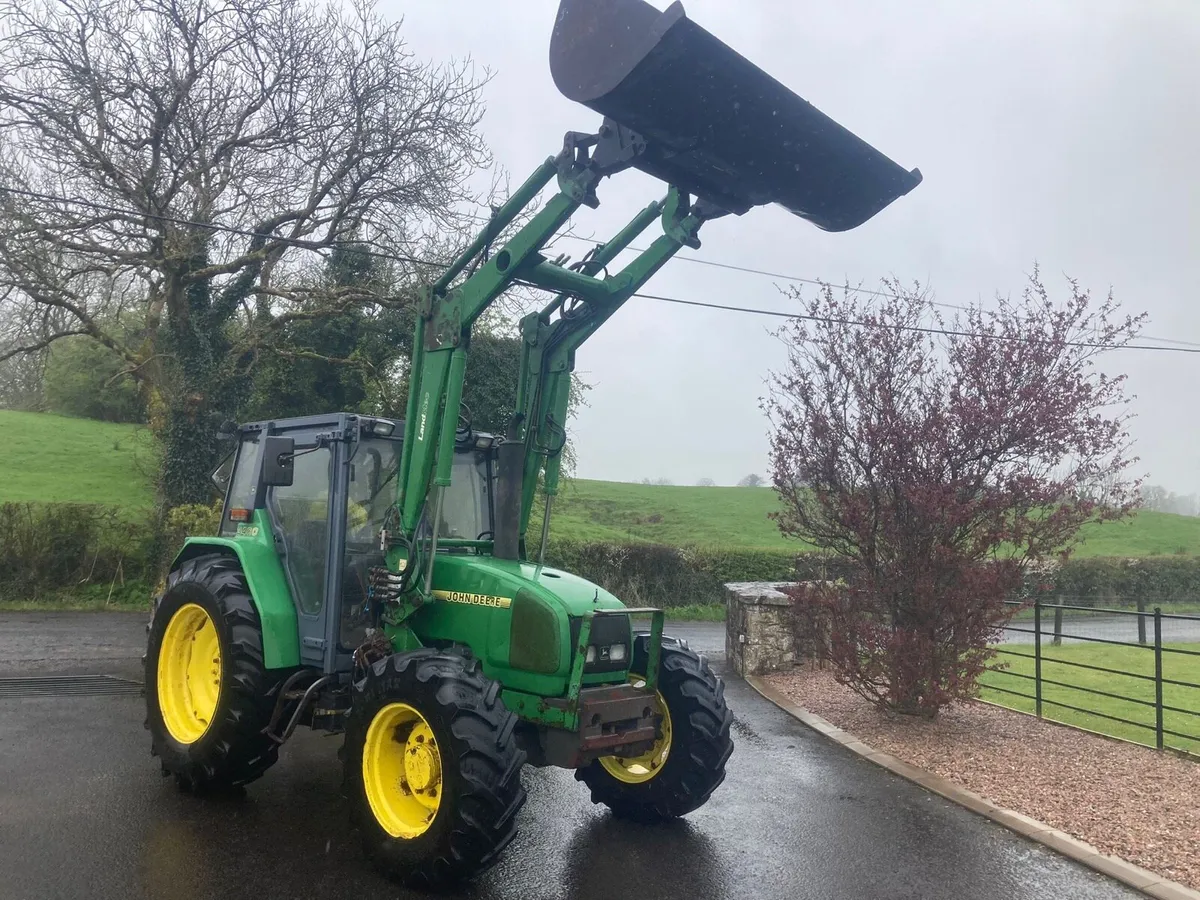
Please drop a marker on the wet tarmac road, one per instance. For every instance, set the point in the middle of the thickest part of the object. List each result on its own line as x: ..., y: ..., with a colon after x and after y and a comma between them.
x: 1175, y: 630
x: 84, y: 813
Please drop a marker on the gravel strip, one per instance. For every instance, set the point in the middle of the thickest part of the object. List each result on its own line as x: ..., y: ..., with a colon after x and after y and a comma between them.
x: 1128, y: 801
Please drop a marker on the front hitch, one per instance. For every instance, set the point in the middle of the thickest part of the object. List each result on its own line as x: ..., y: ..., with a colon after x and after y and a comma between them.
x: 575, y: 685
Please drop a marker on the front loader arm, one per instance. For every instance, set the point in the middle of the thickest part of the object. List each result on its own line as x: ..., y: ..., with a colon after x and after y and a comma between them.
x: 584, y: 302
x: 552, y: 335
x: 443, y: 328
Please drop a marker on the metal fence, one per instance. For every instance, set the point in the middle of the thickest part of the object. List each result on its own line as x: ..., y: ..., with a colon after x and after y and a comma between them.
x: 1110, y: 663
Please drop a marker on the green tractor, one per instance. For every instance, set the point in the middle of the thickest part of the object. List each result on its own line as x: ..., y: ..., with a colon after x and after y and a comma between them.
x: 371, y: 578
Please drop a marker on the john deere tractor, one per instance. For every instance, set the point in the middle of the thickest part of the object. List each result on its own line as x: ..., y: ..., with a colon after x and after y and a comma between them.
x: 372, y: 578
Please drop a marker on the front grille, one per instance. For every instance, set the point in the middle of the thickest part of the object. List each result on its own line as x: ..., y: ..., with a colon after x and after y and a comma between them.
x: 606, y: 630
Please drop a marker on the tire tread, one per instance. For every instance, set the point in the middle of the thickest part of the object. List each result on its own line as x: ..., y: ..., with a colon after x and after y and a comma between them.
x: 701, y: 737
x: 489, y: 793
x: 234, y: 752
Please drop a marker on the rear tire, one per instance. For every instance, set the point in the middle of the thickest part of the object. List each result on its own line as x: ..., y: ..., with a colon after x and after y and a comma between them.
x: 204, y: 595
x: 432, y: 830
x: 699, y: 742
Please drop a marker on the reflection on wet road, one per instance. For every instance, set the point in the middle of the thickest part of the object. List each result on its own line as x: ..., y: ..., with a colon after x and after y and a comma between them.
x: 84, y: 813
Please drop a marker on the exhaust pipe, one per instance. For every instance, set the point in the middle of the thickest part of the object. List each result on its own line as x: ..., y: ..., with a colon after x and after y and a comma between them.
x: 510, y: 485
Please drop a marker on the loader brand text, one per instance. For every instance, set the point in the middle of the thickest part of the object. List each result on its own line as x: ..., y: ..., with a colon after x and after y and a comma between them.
x: 474, y: 599
x: 424, y: 416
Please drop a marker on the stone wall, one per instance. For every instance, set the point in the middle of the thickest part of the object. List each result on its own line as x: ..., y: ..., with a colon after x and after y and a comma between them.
x: 759, y: 634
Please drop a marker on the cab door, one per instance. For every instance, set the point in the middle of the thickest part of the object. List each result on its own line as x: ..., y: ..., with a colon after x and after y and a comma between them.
x: 308, y: 530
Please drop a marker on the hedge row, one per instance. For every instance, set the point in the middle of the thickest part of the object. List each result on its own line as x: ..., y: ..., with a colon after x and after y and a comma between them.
x: 73, y: 551
x: 51, y: 549
x: 1106, y: 581
x: 48, y: 549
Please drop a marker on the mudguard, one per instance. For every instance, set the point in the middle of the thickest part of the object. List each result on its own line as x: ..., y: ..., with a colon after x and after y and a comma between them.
x: 268, y: 588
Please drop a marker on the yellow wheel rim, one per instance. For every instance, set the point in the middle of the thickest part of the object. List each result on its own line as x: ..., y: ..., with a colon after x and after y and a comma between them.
x: 402, y: 771
x: 189, y: 673
x: 640, y: 769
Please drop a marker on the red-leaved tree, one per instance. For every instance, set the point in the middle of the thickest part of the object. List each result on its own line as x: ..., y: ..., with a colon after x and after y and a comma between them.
x: 942, y: 458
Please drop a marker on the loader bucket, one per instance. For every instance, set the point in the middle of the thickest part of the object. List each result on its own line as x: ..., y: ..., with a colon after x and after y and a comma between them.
x: 715, y: 124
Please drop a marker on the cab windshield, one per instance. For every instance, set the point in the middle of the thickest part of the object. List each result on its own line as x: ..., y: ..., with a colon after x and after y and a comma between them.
x: 466, y: 507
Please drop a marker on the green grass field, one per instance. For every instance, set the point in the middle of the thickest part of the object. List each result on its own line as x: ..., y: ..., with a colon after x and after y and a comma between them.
x: 54, y: 458
x: 1137, y: 660
x: 58, y: 459
x: 738, y: 517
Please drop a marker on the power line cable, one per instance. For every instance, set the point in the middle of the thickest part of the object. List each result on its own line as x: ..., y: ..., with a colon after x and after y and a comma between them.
x: 859, y: 290
x: 317, y: 246
x: 917, y: 328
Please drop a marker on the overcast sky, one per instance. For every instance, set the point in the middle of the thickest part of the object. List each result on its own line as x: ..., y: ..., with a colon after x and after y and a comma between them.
x: 1062, y: 132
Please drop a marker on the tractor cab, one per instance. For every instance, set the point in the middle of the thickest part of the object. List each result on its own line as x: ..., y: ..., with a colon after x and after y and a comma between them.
x: 322, y: 488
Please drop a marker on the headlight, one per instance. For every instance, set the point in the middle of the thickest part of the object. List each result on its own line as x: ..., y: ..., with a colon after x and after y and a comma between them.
x: 606, y: 653
x: 609, y: 647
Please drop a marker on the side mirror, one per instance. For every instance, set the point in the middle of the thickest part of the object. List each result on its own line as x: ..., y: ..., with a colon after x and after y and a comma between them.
x: 228, y: 431
x: 278, y: 454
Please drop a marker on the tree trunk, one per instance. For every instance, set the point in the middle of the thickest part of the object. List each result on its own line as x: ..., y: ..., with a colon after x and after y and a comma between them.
x: 203, y: 392
x: 189, y: 456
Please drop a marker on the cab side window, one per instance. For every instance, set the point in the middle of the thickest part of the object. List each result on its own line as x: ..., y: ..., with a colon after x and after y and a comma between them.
x: 243, y: 490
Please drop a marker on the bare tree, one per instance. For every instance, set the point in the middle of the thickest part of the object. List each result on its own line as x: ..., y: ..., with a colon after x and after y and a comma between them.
x: 706, y: 482
x: 752, y: 480
x: 1155, y: 497
x: 22, y: 373
x: 1159, y: 499
x: 168, y: 161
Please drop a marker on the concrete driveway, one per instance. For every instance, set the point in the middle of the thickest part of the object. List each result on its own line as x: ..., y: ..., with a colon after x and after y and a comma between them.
x: 84, y: 813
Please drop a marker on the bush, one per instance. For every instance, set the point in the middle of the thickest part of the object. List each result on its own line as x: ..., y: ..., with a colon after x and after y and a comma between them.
x: 51, y: 548
x: 908, y: 647
x: 643, y: 574
x: 190, y: 520
x: 86, y: 379
x: 640, y: 574
x: 89, y: 551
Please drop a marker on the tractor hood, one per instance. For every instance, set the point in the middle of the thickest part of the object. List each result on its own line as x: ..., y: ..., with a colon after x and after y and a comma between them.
x: 520, y: 619
x: 487, y: 581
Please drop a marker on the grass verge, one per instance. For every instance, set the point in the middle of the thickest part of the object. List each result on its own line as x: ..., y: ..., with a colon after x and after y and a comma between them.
x: 133, y: 595
x: 1137, y: 693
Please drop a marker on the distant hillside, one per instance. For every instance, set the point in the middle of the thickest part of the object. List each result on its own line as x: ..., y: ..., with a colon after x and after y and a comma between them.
x: 737, y: 517
x: 617, y: 511
x: 54, y: 458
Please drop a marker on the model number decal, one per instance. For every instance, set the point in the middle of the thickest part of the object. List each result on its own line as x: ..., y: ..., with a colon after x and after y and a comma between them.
x: 247, y: 531
x: 474, y: 599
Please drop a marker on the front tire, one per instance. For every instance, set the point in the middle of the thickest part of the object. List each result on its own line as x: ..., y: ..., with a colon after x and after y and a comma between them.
x: 687, y: 763
x: 206, y: 686
x: 432, y: 770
